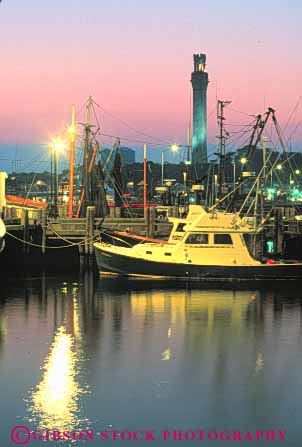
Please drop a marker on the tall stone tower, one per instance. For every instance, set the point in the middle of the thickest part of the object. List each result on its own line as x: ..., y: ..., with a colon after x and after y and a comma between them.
x: 200, y: 80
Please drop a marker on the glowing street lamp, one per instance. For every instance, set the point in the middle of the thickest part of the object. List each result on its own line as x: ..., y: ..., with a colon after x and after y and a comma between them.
x: 174, y: 148
x: 297, y: 171
x: 279, y: 167
x: 57, y: 145
x: 243, y: 160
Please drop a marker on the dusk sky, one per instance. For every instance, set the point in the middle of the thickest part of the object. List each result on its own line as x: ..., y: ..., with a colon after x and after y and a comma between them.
x: 135, y: 58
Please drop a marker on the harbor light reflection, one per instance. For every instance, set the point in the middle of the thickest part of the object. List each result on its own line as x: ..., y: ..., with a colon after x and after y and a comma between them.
x: 55, y: 400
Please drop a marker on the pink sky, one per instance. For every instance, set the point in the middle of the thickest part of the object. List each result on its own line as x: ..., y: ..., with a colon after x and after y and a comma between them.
x: 136, y: 61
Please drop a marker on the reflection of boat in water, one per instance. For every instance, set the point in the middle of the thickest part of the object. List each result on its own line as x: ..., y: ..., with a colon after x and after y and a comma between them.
x: 195, y: 302
x: 211, y: 246
x: 2, y: 234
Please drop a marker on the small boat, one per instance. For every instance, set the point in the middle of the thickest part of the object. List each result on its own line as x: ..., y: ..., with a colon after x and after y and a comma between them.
x: 206, y: 246
x: 2, y: 234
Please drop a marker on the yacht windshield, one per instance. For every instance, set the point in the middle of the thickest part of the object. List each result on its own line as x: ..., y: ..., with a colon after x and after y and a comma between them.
x: 197, y: 238
x: 224, y: 239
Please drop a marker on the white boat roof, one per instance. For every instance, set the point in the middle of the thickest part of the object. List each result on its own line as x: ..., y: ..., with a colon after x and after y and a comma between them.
x: 200, y: 219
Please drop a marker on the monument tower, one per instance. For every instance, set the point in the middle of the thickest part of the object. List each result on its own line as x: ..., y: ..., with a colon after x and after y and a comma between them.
x: 200, y: 80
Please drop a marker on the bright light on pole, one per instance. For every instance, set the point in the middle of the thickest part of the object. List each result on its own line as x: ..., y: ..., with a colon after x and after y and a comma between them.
x: 279, y: 167
x: 243, y: 160
x: 174, y: 148
x: 57, y: 147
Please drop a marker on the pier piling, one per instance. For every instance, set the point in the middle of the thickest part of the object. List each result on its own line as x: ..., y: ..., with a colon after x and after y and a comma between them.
x: 25, y: 223
x: 90, y: 216
x: 44, y: 226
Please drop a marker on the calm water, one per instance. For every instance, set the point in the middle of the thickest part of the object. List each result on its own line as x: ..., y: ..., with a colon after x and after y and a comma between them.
x: 77, y: 352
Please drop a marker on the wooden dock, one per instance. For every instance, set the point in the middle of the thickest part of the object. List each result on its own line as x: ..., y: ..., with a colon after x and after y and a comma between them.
x: 35, y: 230
x: 37, y: 233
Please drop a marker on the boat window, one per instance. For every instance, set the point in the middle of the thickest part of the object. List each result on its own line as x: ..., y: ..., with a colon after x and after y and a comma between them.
x: 180, y: 227
x: 168, y: 254
x: 197, y: 238
x: 148, y: 252
x: 224, y: 239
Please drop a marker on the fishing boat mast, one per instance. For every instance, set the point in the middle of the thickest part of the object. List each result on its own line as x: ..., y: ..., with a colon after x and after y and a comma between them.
x: 72, y: 136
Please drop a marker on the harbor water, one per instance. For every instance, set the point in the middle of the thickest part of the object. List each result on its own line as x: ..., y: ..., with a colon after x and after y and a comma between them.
x: 187, y: 365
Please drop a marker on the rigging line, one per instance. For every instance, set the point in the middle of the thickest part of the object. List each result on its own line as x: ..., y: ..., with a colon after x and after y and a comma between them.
x: 274, y: 149
x: 278, y: 129
x: 73, y: 244
x: 238, y: 111
x: 225, y: 197
x: 269, y: 173
x: 109, y: 176
x: 294, y: 131
x: 292, y: 113
x: 245, y: 128
x: 237, y: 142
x: 238, y: 132
x: 212, y: 111
x: 34, y: 177
x: 114, y: 237
x: 34, y: 160
x: 254, y: 184
x: 96, y: 118
x: 133, y: 140
x: 68, y: 241
x: 244, y: 135
x: 81, y: 108
x: 116, y: 190
x: 241, y: 125
x: 131, y: 127
x: 276, y: 198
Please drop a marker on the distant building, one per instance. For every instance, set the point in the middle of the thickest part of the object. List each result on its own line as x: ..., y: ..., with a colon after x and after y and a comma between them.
x: 105, y: 153
x: 128, y: 157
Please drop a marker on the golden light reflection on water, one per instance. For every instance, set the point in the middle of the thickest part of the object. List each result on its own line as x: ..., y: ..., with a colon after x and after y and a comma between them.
x: 54, y: 403
x: 259, y: 363
x: 55, y: 399
x: 166, y: 355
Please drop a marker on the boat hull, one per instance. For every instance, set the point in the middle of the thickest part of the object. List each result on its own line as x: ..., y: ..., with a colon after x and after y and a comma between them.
x: 120, y: 264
